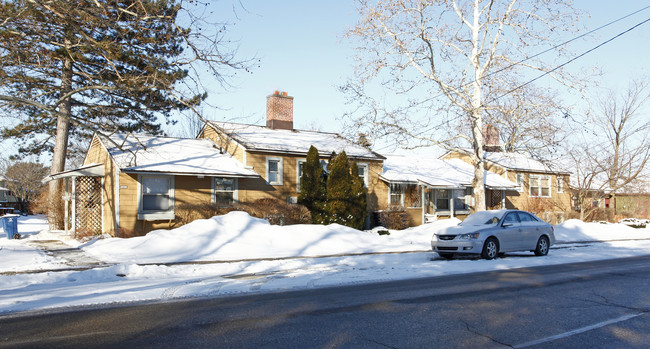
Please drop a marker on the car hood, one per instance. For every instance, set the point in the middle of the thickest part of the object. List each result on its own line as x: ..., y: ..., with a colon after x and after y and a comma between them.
x: 462, y: 229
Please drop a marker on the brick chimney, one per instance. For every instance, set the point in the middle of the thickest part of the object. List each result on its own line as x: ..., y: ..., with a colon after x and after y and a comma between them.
x: 491, y: 138
x: 279, y: 111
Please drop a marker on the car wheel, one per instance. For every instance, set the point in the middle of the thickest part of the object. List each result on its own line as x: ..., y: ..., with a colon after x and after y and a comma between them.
x: 542, y: 246
x: 446, y: 255
x: 490, y: 249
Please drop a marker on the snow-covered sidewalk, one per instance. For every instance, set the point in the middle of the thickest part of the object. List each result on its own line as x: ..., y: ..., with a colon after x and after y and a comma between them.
x: 254, y: 256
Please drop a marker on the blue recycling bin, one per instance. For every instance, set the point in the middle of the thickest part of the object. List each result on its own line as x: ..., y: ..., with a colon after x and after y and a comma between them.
x: 10, y: 225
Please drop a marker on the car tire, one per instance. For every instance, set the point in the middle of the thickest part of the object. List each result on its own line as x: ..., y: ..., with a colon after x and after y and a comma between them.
x: 446, y: 255
x: 542, y: 246
x: 490, y: 249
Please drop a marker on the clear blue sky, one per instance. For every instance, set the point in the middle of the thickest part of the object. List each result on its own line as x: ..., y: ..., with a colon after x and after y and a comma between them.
x: 303, y: 52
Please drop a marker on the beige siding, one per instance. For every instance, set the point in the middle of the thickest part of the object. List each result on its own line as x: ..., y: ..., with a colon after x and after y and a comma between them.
x: 548, y: 208
x: 224, y: 143
x: 187, y: 190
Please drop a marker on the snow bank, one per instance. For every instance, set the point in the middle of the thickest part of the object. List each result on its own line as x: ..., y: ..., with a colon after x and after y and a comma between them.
x: 237, y: 236
x: 575, y: 230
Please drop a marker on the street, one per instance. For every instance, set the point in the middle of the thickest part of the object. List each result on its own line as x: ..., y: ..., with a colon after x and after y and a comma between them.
x: 592, y: 304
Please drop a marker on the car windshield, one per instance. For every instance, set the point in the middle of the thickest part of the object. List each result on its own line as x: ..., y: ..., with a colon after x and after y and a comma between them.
x: 482, y: 218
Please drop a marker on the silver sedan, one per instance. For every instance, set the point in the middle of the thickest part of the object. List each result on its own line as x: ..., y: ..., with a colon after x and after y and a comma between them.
x: 489, y: 233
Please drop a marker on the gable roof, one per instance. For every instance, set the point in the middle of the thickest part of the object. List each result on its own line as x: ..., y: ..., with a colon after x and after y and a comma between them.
x: 144, y: 153
x: 297, y: 142
x: 441, y: 173
x: 517, y: 162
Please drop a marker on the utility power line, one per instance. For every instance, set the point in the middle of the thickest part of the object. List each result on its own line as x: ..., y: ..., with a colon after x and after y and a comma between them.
x: 554, y: 69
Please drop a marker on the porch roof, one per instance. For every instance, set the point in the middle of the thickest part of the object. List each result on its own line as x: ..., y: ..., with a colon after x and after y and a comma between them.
x: 438, y: 173
x: 92, y: 170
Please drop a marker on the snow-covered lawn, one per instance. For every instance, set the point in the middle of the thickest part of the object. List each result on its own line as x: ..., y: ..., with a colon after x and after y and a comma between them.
x: 247, y: 255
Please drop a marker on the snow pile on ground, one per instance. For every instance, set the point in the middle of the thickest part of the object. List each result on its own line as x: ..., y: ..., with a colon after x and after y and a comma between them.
x: 575, y: 230
x: 238, y: 236
x: 240, y: 242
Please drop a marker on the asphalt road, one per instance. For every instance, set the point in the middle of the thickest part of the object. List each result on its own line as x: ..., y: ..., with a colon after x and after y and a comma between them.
x: 604, y: 304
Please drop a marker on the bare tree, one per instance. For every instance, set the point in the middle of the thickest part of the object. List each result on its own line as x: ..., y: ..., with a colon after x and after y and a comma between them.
x: 24, y: 179
x: 447, y: 63
x: 588, y: 179
x: 623, y: 130
x: 529, y: 121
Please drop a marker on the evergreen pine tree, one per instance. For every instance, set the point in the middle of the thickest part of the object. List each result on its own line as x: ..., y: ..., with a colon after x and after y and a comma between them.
x: 312, y: 186
x: 358, y: 198
x: 339, y: 188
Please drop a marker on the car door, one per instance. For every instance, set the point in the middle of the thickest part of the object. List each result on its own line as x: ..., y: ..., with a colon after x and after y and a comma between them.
x: 531, y: 230
x: 509, y: 235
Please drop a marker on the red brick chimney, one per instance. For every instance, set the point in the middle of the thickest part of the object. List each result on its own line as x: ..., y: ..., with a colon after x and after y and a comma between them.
x: 279, y: 111
x: 491, y: 138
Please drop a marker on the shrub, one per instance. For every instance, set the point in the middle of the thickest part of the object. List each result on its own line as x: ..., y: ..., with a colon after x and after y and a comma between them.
x: 275, y: 211
x: 186, y: 213
x: 394, y: 218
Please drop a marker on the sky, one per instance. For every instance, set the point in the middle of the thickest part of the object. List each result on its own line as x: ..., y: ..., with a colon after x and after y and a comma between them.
x: 302, y: 51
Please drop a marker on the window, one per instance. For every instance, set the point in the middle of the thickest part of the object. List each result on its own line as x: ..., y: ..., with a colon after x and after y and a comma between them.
x: 396, y: 195
x: 299, y: 164
x: 460, y: 204
x: 274, y: 170
x: 520, y: 182
x: 540, y: 186
x: 442, y: 199
x: 363, y: 173
x: 225, y: 191
x: 156, y: 197
x: 560, y: 184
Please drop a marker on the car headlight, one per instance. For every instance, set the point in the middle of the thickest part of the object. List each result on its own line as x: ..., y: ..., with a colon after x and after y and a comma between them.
x: 468, y: 236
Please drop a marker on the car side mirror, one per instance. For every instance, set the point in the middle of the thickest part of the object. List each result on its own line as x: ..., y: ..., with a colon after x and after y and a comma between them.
x: 505, y: 225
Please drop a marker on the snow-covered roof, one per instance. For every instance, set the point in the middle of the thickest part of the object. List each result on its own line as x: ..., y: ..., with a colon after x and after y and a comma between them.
x: 260, y: 138
x: 518, y: 161
x: 441, y: 173
x: 144, y: 153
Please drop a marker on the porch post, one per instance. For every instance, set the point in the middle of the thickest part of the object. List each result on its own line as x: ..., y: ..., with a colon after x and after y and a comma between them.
x: 74, y: 204
x: 451, y: 202
x: 424, y: 211
x: 503, y: 198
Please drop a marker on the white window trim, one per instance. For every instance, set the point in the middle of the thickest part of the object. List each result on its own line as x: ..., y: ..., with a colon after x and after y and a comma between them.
x: 560, y: 184
x: 156, y: 215
x: 235, y: 187
x: 402, y: 194
x: 522, y: 185
x: 365, y: 172
x: 280, y: 170
x: 539, y: 178
x: 298, y: 162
